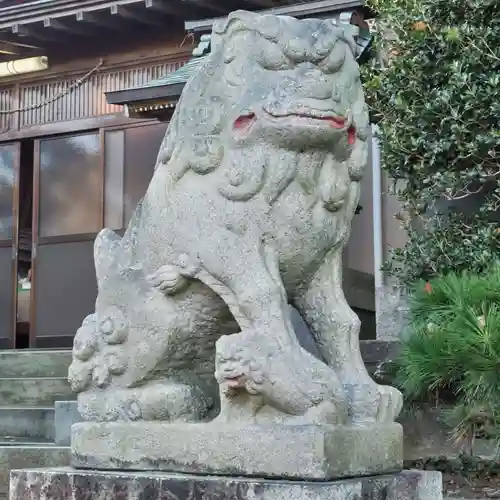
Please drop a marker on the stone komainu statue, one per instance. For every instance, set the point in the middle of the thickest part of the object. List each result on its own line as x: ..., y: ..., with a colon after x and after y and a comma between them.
x: 249, y: 209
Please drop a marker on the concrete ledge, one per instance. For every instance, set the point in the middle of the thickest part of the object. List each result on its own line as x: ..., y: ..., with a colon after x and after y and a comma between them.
x: 71, y: 484
x: 18, y: 456
x: 27, y: 422
x: 275, y: 451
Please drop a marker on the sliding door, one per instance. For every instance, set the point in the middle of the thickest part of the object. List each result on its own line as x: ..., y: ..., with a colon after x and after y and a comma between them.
x: 9, y: 180
x: 82, y: 183
x: 68, y: 193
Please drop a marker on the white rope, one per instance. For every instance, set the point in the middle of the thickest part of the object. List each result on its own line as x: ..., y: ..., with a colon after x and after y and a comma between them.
x: 61, y: 94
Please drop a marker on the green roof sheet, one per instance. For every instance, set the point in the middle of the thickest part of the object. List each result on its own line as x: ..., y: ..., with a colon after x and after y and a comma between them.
x: 182, y: 75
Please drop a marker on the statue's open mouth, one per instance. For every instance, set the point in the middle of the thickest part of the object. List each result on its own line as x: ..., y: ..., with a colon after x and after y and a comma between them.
x: 243, y: 123
x: 234, y: 380
x: 338, y: 122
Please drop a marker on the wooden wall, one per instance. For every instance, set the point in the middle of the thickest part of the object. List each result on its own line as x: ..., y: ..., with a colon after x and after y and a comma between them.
x: 41, y: 97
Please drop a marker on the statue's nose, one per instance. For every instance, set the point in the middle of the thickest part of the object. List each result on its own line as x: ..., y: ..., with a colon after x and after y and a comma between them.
x: 315, y: 83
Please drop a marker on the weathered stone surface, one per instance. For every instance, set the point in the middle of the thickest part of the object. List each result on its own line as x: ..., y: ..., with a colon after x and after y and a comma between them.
x: 71, y: 484
x: 249, y: 209
x: 292, y: 451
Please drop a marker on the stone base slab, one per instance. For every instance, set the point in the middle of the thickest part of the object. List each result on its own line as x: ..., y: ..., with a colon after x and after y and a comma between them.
x: 310, y: 452
x: 72, y: 484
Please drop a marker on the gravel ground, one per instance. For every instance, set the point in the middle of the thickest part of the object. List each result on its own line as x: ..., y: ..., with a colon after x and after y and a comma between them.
x: 457, y: 487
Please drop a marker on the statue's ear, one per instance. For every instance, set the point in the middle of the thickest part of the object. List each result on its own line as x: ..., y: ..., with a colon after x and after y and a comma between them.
x: 105, y: 254
x: 238, y: 20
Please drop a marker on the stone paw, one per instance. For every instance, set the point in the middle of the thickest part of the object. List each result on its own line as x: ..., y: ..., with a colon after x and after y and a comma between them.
x: 370, y: 402
x: 164, y: 401
x: 390, y: 404
x: 327, y: 412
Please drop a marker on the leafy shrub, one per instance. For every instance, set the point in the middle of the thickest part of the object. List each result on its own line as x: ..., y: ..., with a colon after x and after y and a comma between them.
x: 435, y: 94
x: 453, y: 348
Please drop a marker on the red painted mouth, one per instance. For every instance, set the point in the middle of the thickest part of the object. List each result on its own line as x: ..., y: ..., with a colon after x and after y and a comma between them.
x: 351, y: 135
x: 244, y: 122
x: 333, y: 121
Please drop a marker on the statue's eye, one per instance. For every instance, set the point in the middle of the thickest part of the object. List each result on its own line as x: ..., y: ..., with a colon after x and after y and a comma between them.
x: 234, y: 65
x: 234, y: 72
x: 335, y: 59
x: 270, y: 56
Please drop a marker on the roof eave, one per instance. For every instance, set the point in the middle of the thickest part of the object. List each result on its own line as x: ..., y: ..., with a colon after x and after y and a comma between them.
x: 319, y: 8
x: 120, y: 97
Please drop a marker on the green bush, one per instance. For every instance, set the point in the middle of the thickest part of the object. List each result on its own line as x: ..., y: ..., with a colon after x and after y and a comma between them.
x: 452, y: 350
x: 435, y: 95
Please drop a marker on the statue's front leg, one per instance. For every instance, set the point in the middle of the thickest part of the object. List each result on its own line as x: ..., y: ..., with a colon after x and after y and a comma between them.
x: 335, y: 328
x: 244, y: 272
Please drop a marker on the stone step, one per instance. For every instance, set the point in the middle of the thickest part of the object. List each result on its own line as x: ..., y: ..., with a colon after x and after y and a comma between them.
x: 22, y: 454
x: 34, y: 363
x: 34, y: 391
x: 27, y: 422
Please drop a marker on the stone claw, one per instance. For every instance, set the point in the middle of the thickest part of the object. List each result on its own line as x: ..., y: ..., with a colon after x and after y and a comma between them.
x: 168, y: 279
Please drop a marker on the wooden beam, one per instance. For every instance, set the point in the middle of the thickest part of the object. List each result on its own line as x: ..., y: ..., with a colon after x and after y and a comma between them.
x: 118, y: 10
x: 90, y: 18
x: 60, y: 26
x: 208, y: 5
x: 318, y: 8
x: 158, y: 5
x: 7, y: 49
x: 37, y: 11
x: 169, y: 8
x: 23, y: 30
x: 10, y: 39
x: 263, y: 3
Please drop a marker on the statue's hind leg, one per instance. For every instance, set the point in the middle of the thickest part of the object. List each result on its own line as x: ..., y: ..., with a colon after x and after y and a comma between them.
x: 146, y: 354
x: 159, y: 368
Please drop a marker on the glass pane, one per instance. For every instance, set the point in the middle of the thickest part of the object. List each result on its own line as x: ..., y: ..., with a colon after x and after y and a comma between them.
x: 70, y: 185
x: 65, y: 281
x: 7, y: 305
x: 141, y: 149
x: 8, y: 160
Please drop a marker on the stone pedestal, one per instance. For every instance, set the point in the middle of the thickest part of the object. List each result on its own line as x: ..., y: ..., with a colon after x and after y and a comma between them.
x: 72, y: 484
x: 304, y: 452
